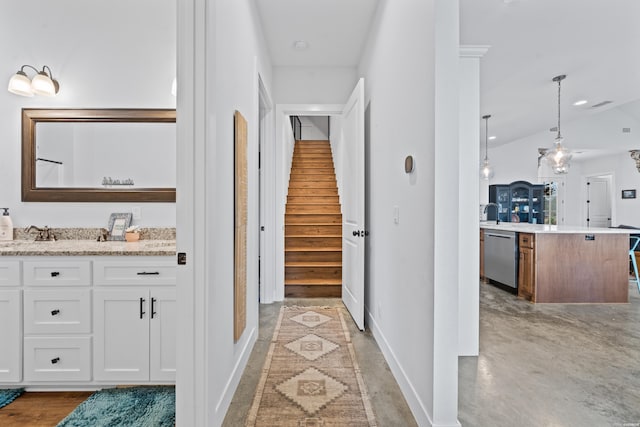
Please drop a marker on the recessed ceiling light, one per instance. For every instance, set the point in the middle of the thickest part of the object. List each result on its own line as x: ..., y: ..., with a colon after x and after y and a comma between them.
x: 492, y: 137
x: 300, y: 45
x: 581, y: 102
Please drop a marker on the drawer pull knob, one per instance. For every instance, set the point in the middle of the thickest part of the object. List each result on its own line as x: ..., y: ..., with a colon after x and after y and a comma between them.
x: 55, y: 360
x: 149, y: 273
x: 55, y: 312
x: 55, y: 273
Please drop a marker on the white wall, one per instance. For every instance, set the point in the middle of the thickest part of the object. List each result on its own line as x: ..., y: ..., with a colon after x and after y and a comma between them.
x: 399, y: 68
x: 626, y: 177
x: 238, y: 47
x: 316, y: 85
x: 314, y: 128
x: 517, y: 160
x: 335, y: 139
x: 105, y: 55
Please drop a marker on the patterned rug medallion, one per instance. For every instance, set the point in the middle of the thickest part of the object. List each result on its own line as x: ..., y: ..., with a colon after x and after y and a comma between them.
x: 310, y: 377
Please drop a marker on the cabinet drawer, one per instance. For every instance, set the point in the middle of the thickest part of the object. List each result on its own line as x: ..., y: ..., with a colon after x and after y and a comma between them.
x: 57, y: 273
x: 527, y: 240
x: 10, y: 273
x: 127, y: 273
x: 57, y: 359
x: 57, y: 311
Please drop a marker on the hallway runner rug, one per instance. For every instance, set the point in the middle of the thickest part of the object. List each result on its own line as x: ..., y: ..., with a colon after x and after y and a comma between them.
x: 126, y: 407
x: 8, y: 395
x: 311, y: 377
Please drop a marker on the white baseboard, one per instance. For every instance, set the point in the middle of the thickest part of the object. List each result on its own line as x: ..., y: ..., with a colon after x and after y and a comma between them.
x: 234, y: 379
x: 416, y: 405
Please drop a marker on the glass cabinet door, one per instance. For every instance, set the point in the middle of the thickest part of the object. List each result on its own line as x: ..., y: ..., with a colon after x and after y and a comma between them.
x: 520, y: 203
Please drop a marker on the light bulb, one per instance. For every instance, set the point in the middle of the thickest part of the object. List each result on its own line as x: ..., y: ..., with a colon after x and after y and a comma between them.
x: 486, y: 170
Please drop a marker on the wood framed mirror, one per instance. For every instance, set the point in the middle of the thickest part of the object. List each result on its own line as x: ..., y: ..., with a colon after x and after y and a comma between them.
x: 98, y: 155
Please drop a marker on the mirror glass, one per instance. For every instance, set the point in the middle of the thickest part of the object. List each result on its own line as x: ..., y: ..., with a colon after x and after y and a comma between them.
x: 99, y: 155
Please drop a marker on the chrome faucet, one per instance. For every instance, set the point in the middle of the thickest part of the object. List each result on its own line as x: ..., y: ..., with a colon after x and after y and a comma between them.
x: 497, y: 211
x: 44, y: 234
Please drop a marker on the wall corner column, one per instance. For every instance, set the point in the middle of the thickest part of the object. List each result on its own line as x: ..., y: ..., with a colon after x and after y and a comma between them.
x: 469, y: 201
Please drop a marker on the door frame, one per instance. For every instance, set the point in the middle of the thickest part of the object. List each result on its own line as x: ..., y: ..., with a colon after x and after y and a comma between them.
x: 583, y: 195
x: 282, y: 166
x: 266, y: 177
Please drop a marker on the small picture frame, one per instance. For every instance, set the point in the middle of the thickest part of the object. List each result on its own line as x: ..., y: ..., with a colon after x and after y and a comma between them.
x: 629, y: 194
x: 118, y: 223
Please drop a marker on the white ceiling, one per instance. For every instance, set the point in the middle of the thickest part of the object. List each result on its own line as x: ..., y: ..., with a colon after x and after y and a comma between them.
x: 596, y: 43
x: 335, y: 30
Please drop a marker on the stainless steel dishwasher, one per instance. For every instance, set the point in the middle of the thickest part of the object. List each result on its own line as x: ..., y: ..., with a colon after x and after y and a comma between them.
x: 501, y: 257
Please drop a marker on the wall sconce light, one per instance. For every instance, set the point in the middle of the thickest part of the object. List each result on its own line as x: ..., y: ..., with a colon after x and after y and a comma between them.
x: 42, y: 83
x: 635, y: 155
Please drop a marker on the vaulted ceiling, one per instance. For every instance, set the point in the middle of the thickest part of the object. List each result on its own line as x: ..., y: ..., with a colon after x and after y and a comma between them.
x: 594, y: 42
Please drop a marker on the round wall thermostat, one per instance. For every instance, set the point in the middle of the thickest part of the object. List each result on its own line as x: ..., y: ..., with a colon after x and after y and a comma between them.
x: 408, y: 164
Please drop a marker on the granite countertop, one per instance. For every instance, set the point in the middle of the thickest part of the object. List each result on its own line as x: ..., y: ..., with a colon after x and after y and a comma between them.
x: 550, y: 229
x: 87, y: 248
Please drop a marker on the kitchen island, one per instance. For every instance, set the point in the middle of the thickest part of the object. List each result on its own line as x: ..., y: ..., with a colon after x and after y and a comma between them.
x: 563, y: 264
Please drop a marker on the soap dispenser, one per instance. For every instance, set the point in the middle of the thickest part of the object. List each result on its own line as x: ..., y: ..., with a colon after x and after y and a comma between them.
x: 6, y: 226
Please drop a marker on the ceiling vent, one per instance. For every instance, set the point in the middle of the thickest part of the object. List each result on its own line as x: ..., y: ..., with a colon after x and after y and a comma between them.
x: 601, y: 104
x: 626, y: 130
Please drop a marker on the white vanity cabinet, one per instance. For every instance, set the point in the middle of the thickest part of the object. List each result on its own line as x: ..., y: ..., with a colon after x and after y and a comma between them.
x: 134, y: 312
x: 57, y: 319
x: 10, y: 322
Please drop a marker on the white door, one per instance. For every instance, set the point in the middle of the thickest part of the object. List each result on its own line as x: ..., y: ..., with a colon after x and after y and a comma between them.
x: 162, y: 329
x: 598, y: 202
x: 121, y: 334
x: 353, y: 226
x: 10, y: 336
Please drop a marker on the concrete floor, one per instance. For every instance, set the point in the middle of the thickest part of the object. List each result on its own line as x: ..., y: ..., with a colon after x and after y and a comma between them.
x: 552, y: 364
x: 389, y: 405
x: 555, y: 365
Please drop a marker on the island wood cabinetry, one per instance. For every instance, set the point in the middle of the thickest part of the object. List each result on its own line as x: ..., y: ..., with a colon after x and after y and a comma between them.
x: 562, y: 264
x: 527, y: 266
x: 77, y: 321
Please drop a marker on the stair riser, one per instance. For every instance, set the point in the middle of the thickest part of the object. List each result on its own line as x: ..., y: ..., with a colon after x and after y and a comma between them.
x: 297, y: 177
x: 305, y: 184
x: 312, y: 242
x: 313, y: 209
x: 318, y: 200
x: 313, y: 192
x: 315, y: 171
x: 313, y: 218
x: 303, y: 273
x: 313, y: 230
x: 302, y: 256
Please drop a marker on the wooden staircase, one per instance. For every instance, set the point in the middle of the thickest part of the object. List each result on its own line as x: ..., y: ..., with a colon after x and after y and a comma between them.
x: 313, y: 224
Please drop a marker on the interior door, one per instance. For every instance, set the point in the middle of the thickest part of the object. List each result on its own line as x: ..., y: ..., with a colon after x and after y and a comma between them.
x: 353, y: 225
x: 598, y: 202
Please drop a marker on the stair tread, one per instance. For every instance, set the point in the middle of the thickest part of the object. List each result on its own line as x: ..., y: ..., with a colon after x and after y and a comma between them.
x: 313, y: 235
x: 313, y: 249
x: 313, y: 281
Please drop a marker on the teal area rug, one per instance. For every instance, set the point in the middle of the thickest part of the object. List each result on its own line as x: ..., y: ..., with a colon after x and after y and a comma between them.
x: 130, y: 407
x: 8, y: 395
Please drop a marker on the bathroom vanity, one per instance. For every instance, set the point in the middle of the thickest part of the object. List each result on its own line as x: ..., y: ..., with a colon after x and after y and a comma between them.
x: 79, y: 314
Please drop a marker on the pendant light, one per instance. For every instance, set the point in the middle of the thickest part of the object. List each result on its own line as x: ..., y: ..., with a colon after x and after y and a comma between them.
x: 486, y: 170
x: 558, y: 157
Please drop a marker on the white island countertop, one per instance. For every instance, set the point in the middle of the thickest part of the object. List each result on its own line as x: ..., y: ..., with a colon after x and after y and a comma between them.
x: 552, y: 229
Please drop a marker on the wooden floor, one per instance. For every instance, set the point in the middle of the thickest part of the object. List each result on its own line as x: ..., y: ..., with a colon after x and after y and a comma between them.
x: 41, y: 409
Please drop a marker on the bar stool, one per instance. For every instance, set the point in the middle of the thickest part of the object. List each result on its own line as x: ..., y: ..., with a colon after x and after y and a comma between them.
x: 635, y: 241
